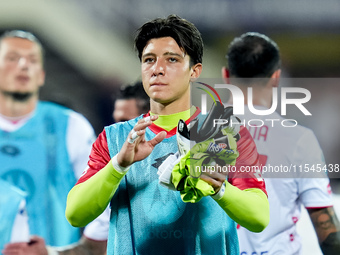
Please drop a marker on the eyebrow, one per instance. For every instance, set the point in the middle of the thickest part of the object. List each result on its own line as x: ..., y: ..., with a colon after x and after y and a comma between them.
x: 173, y: 54
x: 18, y: 53
x: 168, y: 53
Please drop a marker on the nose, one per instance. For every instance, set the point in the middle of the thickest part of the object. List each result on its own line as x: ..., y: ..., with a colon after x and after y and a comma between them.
x: 159, y: 68
x: 23, y: 63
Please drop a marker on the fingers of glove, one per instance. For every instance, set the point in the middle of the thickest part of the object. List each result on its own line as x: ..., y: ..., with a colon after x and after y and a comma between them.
x: 208, y: 128
x: 182, y: 129
x: 193, y: 129
x: 233, y: 126
x: 183, y: 138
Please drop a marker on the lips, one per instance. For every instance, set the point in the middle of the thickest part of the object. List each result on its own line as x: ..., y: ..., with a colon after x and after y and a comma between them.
x: 22, y: 78
x: 157, y: 84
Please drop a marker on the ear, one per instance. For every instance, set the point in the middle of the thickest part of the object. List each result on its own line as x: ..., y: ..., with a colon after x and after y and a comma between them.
x: 275, y: 78
x: 225, y: 75
x: 196, y: 71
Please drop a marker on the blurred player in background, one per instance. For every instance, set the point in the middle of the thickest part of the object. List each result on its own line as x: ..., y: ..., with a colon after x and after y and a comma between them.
x: 121, y: 170
x: 131, y: 102
x: 43, y: 146
x: 254, y: 61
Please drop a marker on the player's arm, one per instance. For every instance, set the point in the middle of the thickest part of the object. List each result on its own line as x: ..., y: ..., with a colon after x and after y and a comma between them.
x: 249, y: 208
x: 327, y: 228
x: 315, y: 195
x: 88, y: 199
x: 82, y: 198
x: 245, y: 199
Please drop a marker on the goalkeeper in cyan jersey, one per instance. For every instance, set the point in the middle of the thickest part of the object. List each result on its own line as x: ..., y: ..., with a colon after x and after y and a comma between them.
x: 199, y: 216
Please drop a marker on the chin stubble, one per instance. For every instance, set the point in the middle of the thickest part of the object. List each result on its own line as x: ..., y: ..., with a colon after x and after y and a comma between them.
x: 18, y: 96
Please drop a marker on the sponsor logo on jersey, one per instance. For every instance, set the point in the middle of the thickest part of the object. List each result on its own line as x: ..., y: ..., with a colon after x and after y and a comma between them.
x: 10, y: 150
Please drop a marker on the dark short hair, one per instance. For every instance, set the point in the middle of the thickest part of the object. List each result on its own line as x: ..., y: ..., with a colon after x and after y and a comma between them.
x: 182, y: 31
x: 253, y: 55
x: 135, y: 91
x: 24, y: 35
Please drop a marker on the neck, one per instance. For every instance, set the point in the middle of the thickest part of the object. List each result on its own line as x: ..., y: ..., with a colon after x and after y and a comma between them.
x: 179, y: 105
x: 12, y: 106
x: 170, y: 121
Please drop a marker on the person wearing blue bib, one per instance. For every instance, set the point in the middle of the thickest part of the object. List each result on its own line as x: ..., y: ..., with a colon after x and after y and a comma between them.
x: 43, y: 146
x: 146, y: 217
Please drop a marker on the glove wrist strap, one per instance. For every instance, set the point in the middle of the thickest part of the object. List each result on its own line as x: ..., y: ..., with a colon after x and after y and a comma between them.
x: 220, y: 193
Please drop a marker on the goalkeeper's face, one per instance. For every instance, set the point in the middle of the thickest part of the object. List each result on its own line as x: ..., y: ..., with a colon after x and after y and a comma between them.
x: 166, y: 71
